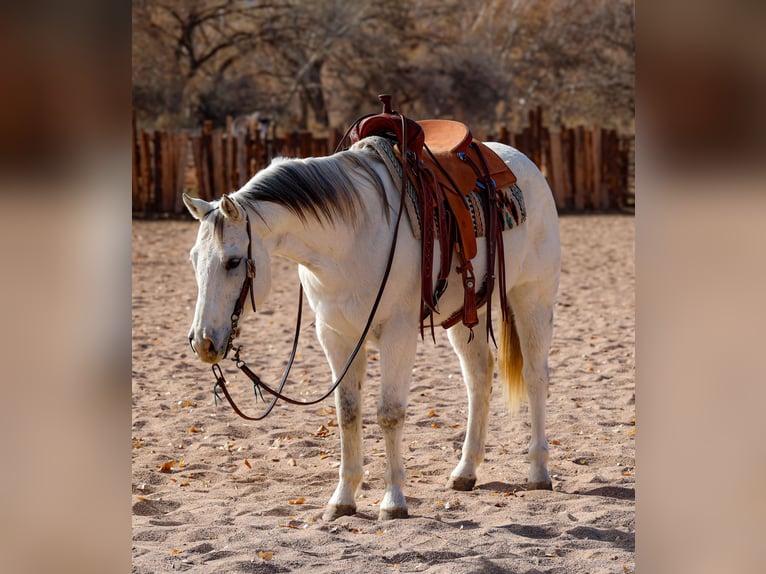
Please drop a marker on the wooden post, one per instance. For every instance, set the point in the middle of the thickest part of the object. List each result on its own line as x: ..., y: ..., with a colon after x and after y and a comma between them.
x: 156, y: 197
x: 136, y: 190
x: 557, y: 170
x: 600, y: 199
x: 207, y: 156
x: 217, y: 175
x: 168, y: 172
x: 588, y: 185
x: 241, y: 151
x: 567, y: 149
x: 305, y: 144
x: 199, y: 163
x: 230, y: 149
x: 182, y: 155
x: 502, y: 135
x: 579, y: 169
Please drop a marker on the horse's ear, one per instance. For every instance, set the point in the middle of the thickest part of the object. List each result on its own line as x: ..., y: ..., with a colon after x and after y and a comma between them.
x: 197, y: 207
x: 230, y: 209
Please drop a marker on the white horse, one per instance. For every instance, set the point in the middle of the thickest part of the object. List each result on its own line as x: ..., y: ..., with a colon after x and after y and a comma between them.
x: 333, y: 217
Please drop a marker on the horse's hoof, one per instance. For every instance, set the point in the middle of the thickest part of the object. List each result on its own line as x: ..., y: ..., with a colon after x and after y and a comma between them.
x: 332, y: 512
x: 547, y: 485
x: 393, y: 513
x: 461, y: 483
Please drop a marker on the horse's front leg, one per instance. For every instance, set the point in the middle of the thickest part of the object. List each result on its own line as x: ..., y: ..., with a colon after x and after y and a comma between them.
x: 348, y: 409
x: 398, y: 343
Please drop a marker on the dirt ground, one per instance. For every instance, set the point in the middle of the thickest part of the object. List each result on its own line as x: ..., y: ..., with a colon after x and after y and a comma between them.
x: 215, y: 493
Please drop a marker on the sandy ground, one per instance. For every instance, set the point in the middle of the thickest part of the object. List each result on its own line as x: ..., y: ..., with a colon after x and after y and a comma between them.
x: 214, y: 493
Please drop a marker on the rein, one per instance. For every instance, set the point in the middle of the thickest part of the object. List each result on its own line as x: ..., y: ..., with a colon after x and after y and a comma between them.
x: 247, y: 287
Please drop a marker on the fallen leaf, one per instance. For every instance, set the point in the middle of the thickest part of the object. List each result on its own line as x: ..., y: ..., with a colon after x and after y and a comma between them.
x: 434, y: 426
x: 168, y: 466
x: 266, y: 555
x: 186, y: 403
x: 431, y: 413
x: 555, y: 441
x: 194, y: 429
x: 631, y: 432
x: 175, y: 551
x: 247, y: 464
x: 185, y: 483
x: 300, y: 500
x: 322, y: 431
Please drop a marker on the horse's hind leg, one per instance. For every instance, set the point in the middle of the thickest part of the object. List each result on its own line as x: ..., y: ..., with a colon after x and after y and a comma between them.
x: 348, y: 408
x: 398, y: 342
x: 477, y: 365
x: 532, y: 305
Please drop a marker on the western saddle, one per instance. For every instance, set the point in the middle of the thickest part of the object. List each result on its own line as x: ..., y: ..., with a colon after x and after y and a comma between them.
x: 444, y: 165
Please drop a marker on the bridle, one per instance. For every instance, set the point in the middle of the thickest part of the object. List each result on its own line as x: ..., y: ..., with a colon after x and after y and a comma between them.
x: 247, y: 288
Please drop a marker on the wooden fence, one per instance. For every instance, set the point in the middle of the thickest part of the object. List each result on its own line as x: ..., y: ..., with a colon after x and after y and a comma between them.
x: 588, y: 169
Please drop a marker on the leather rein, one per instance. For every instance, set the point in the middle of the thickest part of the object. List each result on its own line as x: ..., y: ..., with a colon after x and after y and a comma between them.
x: 247, y: 288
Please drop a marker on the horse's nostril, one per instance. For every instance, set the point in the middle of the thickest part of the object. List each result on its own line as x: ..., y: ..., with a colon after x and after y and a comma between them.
x: 208, y: 346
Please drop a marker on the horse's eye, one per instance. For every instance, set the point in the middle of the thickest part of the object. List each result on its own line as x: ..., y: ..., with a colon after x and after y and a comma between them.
x: 233, y: 263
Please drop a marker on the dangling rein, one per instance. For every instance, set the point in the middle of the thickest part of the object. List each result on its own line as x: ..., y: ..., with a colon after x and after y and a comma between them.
x: 247, y: 288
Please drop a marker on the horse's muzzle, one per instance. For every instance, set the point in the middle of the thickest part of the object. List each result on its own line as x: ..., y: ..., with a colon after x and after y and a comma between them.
x: 205, y: 349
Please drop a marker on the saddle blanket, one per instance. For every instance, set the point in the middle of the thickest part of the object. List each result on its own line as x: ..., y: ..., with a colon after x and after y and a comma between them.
x: 513, y: 212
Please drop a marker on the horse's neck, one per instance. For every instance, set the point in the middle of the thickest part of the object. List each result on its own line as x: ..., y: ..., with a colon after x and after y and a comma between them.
x: 309, y: 243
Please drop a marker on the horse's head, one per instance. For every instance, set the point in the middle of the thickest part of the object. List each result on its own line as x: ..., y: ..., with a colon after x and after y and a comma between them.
x: 220, y: 261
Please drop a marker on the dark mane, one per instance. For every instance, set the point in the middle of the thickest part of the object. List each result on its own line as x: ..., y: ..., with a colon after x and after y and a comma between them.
x: 320, y: 187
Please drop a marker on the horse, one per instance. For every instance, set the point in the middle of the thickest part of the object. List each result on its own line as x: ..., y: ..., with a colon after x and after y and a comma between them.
x: 335, y: 217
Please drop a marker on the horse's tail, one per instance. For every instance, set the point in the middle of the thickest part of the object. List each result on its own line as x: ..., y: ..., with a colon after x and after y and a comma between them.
x: 511, y: 362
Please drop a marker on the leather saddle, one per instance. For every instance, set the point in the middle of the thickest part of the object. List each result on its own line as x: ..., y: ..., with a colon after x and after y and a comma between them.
x: 445, y: 165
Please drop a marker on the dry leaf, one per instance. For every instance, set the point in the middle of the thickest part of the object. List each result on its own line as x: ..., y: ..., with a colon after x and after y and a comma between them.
x: 167, y: 467
x: 185, y: 483
x: 266, y: 555
x: 247, y: 464
x: 631, y: 432
x: 181, y: 463
x: 186, y: 403
x: 322, y: 431
x: 194, y: 429
x: 554, y: 441
x: 434, y: 426
x: 175, y: 551
x: 431, y: 413
x: 300, y: 500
